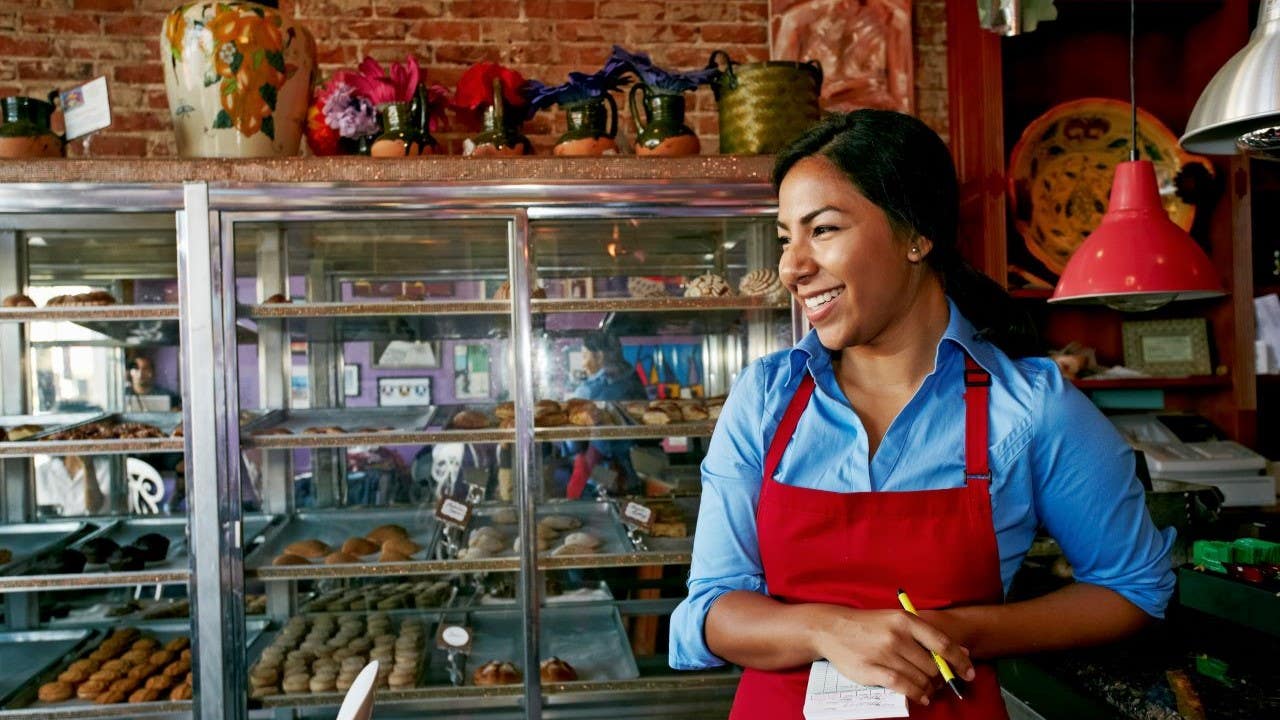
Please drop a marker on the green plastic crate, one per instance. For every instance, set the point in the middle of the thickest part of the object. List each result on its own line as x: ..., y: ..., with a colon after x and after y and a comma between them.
x: 1253, y: 551
x: 1211, y: 554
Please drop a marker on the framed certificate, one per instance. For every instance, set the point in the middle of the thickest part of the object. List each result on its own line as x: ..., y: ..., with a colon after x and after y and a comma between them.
x: 1167, y: 348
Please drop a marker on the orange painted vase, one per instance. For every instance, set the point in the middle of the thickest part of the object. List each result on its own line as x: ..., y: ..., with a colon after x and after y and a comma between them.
x: 238, y: 75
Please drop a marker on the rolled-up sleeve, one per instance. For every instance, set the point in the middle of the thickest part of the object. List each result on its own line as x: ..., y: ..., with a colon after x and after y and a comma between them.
x: 726, y: 554
x: 1089, y: 499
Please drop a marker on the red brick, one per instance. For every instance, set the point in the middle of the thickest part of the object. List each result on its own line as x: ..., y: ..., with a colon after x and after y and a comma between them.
x: 371, y: 29
x: 148, y: 26
x: 162, y: 146
x: 135, y: 121
x: 527, y: 31
x: 408, y: 9
x: 753, y: 11
x: 492, y: 9
x: 152, y: 73
x: 589, y: 31
x: 55, y: 70
x: 109, y: 5
x: 735, y: 33
x: 77, y: 24
x: 389, y: 52
x: 643, y: 34
x: 632, y: 10
x: 112, y: 145
x: 465, y: 54
x: 561, y: 9
x: 11, y: 47
x: 336, y: 55
x: 447, y: 30
x: 702, y: 12
x: 334, y: 9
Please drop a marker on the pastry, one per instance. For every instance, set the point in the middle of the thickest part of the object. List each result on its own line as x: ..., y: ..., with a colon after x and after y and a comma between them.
x: 763, y: 283
x: 310, y: 548
x: 547, y: 405
x: 178, y: 644
x: 505, y: 516
x: 584, y: 539
x: 182, y: 692
x: 111, y: 697
x: 504, y: 292
x: 655, y: 417
x: 144, y: 694
x: 553, y: 418
x: 382, y: 533
x: 159, y: 682
x: 290, y: 559
x: 74, y: 676
x: 154, y: 546
x: 22, y: 432
x: 561, y: 522
x: 324, y: 430
x: 55, y: 691
x: 273, y: 431
x: 469, y: 420
x: 496, y: 673
x: 97, y: 550
x: 392, y: 556
x: 506, y: 423
x: 643, y: 287
x: 127, y: 559
x: 693, y: 412
x: 322, y: 683
x: 404, y: 546
x: 340, y: 558
x: 276, y: 299
x: 399, y: 680
x: 5, y: 555
x: 505, y: 411
x: 587, y: 414
x: 177, y: 432
x: 708, y: 285
x: 359, y: 546
x: 18, y: 300
x: 65, y: 561
x: 89, y: 689
x: 556, y: 670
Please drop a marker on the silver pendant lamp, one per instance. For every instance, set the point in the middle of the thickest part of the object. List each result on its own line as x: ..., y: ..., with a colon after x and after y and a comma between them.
x: 1240, y: 107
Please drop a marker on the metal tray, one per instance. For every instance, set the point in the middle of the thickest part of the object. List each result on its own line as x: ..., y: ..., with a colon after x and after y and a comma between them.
x: 361, y: 426
x: 689, y: 508
x: 334, y: 528
x: 163, y: 632
x: 321, y: 603
x: 597, y: 518
x: 590, y: 638
x: 125, y: 531
x: 30, y: 540
x: 25, y: 655
x: 40, y: 444
x: 49, y: 422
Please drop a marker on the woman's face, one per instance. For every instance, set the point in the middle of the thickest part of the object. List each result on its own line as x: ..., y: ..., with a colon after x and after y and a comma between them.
x: 592, y: 361
x: 840, y: 257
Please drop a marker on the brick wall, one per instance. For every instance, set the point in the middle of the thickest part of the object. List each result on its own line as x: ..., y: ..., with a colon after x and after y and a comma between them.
x: 47, y: 44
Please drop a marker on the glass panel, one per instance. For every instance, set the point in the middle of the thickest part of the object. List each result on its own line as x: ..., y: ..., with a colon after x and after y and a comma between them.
x: 647, y: 322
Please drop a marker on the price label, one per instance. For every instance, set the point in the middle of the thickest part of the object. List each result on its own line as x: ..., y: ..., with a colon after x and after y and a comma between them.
x: 454, y: 637
x: 454, y: 512
x: 633, y: 513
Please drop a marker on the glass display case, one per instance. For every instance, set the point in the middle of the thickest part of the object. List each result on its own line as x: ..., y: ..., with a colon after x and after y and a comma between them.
x: 454, y: 428
x: 93, y: 511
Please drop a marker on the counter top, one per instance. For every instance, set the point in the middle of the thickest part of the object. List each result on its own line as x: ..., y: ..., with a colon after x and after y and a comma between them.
x: 358, y: 169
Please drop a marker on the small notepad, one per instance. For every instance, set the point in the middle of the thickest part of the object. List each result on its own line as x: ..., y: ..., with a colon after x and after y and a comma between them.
x: 832, y: 696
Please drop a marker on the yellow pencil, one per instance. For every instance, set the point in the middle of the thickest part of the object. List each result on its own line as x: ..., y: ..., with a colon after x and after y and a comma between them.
x: 937, y: 659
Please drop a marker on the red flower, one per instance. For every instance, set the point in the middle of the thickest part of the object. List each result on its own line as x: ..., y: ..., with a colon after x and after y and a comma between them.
x: 475, y: 87
x: 375, y: 85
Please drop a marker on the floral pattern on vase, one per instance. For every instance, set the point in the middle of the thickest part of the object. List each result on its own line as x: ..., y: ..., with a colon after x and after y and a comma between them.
x: 238, y: 75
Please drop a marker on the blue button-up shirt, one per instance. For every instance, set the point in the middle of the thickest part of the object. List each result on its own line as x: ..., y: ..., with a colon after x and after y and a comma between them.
x: 1056, y: 462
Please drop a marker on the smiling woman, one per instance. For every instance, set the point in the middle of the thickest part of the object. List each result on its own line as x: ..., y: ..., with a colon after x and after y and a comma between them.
x: 801, y: 548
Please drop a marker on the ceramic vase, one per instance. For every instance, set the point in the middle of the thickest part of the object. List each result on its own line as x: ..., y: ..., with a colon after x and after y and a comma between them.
x: 500, y: 134
x: 238, y: 75
x: 593, y: 125
x: 404, y: 129
x: 26, y: 131
x: 660, y: 128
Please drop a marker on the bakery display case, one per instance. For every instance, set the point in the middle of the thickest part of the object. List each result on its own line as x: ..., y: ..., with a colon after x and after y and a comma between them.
x: 93, y: 509
x: 452, y: 427
x: 415, y: 394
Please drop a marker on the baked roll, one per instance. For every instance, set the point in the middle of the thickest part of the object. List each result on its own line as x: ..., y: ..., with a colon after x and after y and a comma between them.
x: 18, y: 300
x: 359, y: 546
x: 469, y: 420
x: 290, y: 559
x: 496, y: 673
x: 383, y: 533
x: 277, y: 299
x: 310, y: 548
x: 556, y: 670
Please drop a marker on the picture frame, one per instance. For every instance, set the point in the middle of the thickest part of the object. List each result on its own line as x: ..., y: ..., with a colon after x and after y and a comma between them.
x: 351, y: 380
x: 406, y: 354
x: 1167, y: 348
x: 471, y: 372
x: 404, y: 391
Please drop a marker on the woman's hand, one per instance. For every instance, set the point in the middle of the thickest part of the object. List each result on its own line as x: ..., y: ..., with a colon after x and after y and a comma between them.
x: 889, y: 648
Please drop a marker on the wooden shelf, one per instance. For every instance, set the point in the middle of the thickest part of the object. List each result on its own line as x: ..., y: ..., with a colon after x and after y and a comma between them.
x: 1156, y: 383
x: 1031, y: 293
x: 1260, y: 290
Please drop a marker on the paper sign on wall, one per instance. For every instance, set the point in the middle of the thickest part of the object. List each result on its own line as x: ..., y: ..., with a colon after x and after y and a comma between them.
x: 86, y: 108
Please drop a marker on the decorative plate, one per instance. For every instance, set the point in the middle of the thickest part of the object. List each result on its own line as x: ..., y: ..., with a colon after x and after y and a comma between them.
x: 1061, y: 169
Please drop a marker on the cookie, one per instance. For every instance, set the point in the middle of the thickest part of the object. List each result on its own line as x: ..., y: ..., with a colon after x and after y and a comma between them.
x: 55, y: 691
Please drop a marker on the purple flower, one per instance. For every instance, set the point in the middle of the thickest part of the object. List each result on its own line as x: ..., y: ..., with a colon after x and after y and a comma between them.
x: 663, y: 81
x: 580, y: 86
x: 351, y: 115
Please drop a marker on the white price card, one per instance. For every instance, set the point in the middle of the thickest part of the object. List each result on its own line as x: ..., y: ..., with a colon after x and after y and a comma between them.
x: 86, y: 108
x: 633, y: 513
x: 453, y: 511
x: 454, y: 637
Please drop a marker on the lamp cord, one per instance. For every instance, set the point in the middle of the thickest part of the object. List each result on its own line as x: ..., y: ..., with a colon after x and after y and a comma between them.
x: 1133, y: 92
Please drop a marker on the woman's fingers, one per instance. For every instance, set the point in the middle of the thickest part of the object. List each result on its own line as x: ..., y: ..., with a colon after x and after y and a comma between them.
x: 904, y: 679
x: 937, y: 641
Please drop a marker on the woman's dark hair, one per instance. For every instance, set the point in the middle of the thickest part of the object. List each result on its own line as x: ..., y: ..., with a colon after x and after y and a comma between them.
x: 611, y: 348
x: 901, y: 165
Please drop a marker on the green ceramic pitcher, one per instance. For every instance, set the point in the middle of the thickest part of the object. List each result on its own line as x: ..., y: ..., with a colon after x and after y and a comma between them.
x: 660, y: 128
x: 27, y: 129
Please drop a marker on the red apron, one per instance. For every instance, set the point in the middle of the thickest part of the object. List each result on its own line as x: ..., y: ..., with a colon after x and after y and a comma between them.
x: 857, y: 549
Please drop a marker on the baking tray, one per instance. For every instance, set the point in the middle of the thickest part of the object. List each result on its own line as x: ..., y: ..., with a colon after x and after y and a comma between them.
x: 163, y: 632
x: 49, y: 422
x: 361, y: 426
x: 323, y: 602
x: 597, y: 518
x: 590, y: 638
x: 29, y: 540
x: 125, y: 531
x: 166, y: 422
x: 334, y: 528
x: 688, y: 507
x: 25, y: 655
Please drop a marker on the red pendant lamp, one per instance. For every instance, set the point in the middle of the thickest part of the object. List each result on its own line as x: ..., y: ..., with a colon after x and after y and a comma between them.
x: 1137, y: 259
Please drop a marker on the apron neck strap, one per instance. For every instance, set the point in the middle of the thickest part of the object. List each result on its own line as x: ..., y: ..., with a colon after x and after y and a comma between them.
x: 977, y: 389
x: 786, y: 428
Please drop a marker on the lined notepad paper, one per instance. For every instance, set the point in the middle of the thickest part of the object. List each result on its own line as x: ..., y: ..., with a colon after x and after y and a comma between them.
x: 832, y: 696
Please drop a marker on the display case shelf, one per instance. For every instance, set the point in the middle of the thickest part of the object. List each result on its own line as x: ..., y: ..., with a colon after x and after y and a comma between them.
x: 90, y: 313
x: 25, y: 448
x: 377, y: 309
x: 1207, y: 382
x: 657, y: 305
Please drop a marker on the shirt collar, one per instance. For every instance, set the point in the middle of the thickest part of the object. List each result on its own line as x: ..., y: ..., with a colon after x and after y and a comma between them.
x: 960, y: 332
